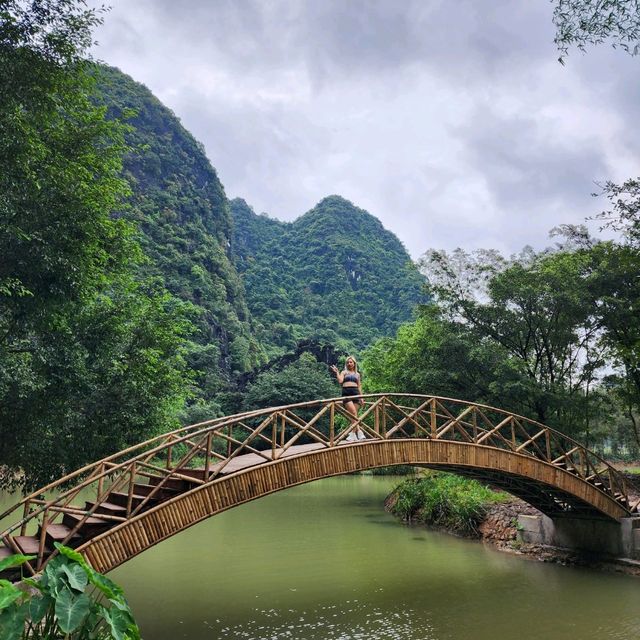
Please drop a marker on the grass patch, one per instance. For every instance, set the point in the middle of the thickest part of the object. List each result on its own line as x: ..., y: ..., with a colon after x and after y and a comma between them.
x: 445, y: 500
x: 632, y: 470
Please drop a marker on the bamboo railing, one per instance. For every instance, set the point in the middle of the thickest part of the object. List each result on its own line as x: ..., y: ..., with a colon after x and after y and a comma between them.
x: 202, y: 453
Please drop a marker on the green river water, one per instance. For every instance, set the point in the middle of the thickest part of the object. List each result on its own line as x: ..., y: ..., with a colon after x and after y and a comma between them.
x: 324, y: 560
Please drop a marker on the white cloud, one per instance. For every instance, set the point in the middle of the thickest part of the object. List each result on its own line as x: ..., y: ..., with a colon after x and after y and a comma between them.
x: 453, y: 125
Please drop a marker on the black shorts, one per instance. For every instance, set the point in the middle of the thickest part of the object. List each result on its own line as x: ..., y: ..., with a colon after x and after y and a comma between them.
x: 348, y: 392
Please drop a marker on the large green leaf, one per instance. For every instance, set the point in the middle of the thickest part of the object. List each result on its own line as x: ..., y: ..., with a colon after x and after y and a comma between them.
x: 8, y: 594
x: 72, y: 555
x: 79, y: 560
x: 77, y: 577
x: 122, y: 606
x: 12, y: 623
x: 38, y: 607
x: 14, y: 561
x: 71, y: 610
x: 121, y: 624
x: 54, y: 578
x: 109, y: 588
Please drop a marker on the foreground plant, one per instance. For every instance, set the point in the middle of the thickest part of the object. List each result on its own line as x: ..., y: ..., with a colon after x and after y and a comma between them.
x: 69, y: 601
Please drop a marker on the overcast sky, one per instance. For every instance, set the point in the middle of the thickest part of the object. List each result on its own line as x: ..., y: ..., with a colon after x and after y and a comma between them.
x: 452, y: 122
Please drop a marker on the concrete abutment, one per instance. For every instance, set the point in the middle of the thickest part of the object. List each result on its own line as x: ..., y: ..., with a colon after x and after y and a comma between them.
x: 603, y: 537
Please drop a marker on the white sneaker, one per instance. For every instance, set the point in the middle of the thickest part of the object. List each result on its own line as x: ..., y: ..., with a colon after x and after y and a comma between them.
x: 351, y: 437
x: 361, y: 435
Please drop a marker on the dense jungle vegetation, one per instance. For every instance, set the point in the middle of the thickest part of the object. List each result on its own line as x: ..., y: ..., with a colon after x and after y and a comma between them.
x: 91, y: 351
x: 255, y: 287
x: 135, y: 296
x: 335, y: 274
x: 180, y: 211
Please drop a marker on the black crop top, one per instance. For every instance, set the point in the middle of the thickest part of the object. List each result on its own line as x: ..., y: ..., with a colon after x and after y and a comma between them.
x: 350, y: 377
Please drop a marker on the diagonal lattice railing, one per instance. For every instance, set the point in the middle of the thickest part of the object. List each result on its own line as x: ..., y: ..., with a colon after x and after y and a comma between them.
x: 200, y: 453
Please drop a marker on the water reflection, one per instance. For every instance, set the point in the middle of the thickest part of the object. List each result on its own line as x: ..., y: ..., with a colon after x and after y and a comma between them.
x: 349, y: 620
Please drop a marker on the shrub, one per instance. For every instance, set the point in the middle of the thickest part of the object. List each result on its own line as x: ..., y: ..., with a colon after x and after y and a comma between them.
x: 444, y: 500
x: 69, y: 601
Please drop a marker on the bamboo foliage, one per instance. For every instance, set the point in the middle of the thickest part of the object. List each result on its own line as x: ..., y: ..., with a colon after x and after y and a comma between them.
x: 198, y: 455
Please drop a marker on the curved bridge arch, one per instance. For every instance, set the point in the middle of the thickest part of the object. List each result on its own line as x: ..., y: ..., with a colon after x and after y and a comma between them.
x: 165, y: 485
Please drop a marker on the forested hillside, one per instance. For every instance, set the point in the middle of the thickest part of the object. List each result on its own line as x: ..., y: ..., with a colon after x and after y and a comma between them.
x: 257, y: 286
x: 335, y: 273
x: 181, y: 211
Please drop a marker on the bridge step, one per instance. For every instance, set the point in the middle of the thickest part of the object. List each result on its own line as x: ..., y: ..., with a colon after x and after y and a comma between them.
x: 174, y: 484
x: 563, y: 464
x: 30, y: 545
x: 90, y: 527
x: 162, y: 493
x: 107, y: 508
x: 122, y: 499
x: 197, y: 474
x: 58, y: 533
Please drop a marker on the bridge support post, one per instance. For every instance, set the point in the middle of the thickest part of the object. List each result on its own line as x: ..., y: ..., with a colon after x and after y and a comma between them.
x: 601, y: 537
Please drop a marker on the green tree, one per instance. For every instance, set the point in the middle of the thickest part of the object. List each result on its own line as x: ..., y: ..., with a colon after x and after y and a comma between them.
x: 615, y: 293
x: 581, y: 23
x: 615, y: 282
x: 90, y: 357
x: 301, y: 381
x: 537, y: 310
x: 434, y: 355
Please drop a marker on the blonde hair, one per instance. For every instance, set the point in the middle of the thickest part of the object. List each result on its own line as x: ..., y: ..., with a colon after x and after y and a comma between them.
x: 355, y: 363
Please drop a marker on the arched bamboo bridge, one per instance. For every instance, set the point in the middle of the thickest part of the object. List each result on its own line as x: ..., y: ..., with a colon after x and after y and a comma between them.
x: 116, y: 508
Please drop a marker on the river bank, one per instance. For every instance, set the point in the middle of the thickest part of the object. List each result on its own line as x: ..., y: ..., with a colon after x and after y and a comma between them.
x: 500, y: 529
x: 497, y: 525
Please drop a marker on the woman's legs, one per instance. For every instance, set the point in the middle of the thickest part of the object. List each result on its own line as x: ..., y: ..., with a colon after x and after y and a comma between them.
x: 352, y: 408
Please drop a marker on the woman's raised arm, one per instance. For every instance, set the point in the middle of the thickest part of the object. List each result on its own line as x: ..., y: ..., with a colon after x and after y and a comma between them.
x: 339, y: 374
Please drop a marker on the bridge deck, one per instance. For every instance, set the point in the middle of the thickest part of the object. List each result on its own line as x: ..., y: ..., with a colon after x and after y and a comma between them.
x: 251, y: 459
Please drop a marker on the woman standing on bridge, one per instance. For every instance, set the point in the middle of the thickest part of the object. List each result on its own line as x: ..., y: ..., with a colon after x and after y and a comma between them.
x: 351, y: 383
